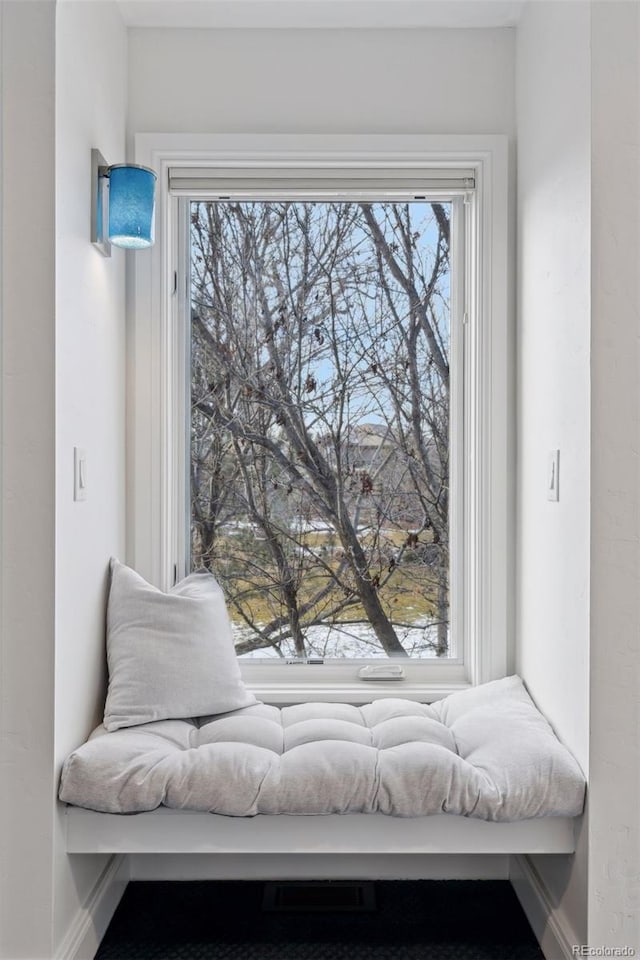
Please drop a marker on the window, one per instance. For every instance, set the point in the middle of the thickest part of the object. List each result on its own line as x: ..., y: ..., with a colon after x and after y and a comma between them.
x: 330, y: 410
x: 321, y: 342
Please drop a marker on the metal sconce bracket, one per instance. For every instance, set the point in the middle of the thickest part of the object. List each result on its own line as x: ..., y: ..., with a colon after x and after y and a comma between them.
x: 99, y: 203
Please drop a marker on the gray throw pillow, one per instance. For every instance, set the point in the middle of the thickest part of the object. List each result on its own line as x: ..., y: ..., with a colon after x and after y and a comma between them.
x: 170, y: 655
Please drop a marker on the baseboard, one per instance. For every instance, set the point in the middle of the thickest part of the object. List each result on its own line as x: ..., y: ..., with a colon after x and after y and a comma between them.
x: 92, y: 919
x: 151, y: 866
x: 549, y: 923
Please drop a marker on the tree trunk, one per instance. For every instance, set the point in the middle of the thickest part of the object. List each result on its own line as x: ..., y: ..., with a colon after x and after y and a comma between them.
x: 291, y: 603
x: 378, y: 619
x: 442, y: 647
x: 367, y: 591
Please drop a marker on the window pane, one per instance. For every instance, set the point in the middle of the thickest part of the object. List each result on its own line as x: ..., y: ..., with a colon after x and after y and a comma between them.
x: 319, y: 455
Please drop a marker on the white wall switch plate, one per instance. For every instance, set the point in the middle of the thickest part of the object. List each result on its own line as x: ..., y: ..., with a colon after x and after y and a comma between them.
x: 553, y: 475
x: 79, y: 473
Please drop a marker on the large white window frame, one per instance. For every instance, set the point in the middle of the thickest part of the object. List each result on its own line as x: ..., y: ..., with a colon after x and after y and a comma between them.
x: 157, y: 393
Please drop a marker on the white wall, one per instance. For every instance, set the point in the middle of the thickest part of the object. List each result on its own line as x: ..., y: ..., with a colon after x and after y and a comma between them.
x: 319, y: 81
x: 553, y: 335
x: 614, y: 804
x: 28, y: 429
x: 91, y: 98
x: 63, y: 322
x: 579, y: 560
x: 553, y: 347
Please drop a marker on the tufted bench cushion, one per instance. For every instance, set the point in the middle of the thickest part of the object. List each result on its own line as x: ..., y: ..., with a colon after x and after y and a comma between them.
x: 485, y: 752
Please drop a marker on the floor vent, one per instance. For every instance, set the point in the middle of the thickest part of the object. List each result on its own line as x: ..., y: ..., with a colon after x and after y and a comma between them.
x: 320, y: 895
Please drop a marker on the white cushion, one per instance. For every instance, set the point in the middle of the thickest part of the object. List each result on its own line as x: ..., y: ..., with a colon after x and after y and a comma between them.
x: 170, y: 655
x: 486, y: 752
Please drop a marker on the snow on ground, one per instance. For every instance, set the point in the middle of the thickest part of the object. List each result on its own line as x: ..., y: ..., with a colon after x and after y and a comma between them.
x: 351, y: 641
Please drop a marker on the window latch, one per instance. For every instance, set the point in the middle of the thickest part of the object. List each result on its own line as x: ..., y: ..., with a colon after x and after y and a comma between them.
x: 392, y: 671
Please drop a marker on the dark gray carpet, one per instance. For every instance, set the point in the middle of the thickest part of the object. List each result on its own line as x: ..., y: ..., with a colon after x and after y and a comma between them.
x: 413, y: 920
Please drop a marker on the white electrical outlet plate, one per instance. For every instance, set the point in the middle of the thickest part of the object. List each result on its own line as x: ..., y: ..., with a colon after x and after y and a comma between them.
x: 79, y: 473
x: 553, y: 475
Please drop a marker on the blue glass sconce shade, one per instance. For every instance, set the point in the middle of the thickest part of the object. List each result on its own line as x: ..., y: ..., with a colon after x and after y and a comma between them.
x: 122, y: 205
x: 131, y: 206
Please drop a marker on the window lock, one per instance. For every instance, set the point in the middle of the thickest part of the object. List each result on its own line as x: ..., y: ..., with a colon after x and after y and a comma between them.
x: 386, y: 672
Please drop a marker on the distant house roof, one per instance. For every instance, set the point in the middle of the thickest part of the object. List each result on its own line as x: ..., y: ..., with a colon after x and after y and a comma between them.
x: 370, y: 436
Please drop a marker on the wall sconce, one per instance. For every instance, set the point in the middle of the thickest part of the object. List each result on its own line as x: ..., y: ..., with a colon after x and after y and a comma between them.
x: 122, y: 205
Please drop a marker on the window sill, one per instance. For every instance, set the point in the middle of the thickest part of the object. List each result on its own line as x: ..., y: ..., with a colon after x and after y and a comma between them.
x: 353, y: 692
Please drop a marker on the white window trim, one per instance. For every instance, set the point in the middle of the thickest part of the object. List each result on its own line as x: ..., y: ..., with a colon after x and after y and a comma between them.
x: 156, y: 440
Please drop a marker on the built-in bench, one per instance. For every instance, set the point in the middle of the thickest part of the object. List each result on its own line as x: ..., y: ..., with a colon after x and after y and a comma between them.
x: 187, y: 831
x: 478, y: 772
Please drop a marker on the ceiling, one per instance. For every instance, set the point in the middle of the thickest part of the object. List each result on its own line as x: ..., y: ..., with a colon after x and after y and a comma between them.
x: 333, y: 14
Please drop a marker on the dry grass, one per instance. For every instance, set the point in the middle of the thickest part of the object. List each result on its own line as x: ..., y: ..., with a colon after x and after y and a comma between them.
x: 408, y: 593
